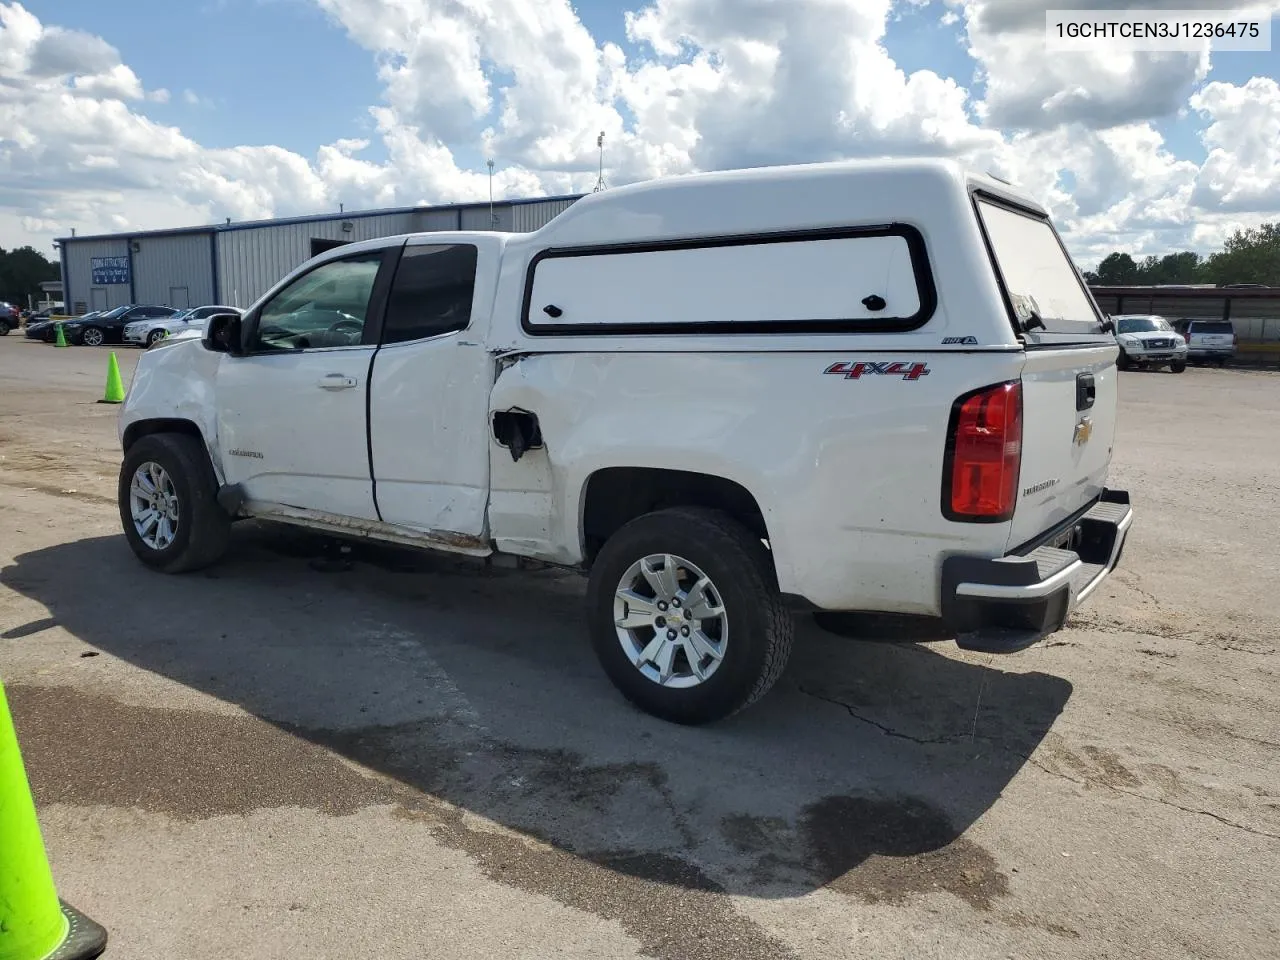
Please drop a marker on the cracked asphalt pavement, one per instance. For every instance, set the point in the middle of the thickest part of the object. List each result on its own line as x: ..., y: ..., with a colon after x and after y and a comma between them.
x: 418, y: 757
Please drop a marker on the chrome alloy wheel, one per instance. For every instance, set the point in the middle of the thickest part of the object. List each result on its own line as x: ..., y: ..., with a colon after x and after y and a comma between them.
x: 671, y: 621
x: 153, y: 504
x: 92, y: 337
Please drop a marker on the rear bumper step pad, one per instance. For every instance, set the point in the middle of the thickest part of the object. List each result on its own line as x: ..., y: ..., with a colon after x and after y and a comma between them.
x: 1007, y: 604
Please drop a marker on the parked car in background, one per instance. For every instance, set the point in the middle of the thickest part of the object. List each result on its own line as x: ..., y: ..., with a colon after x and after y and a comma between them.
x: 146, y: 332
x: 1212, y: 341
x: 1149, y: 341
x: 46, y: 313
x: 47, y: 330
x: 108, y: 327
x: 9, y: 315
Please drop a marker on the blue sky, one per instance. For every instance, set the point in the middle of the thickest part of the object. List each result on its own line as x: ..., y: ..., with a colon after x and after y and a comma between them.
x: 287, y: 48
x: 235, y: 101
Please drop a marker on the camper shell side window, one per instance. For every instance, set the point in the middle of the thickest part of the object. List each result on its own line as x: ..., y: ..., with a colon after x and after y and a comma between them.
x: 849, y: 280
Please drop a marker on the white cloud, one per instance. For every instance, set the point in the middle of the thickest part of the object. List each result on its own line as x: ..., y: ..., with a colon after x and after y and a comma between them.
x: 1242, y: 172
x: 700, y: 84
x: 1028, y: 88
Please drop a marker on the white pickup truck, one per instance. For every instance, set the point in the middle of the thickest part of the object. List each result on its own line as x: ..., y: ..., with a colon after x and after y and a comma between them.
x: 726, y: 397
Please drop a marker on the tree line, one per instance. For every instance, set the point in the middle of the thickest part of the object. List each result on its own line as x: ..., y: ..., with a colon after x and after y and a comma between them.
x: 21, y: 273
x: 1249, y: 256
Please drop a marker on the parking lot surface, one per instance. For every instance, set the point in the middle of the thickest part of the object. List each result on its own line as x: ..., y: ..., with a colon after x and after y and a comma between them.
x: 418, y: 756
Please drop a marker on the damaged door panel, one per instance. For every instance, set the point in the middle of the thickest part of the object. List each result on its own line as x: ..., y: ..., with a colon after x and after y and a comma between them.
x: 517, y: 430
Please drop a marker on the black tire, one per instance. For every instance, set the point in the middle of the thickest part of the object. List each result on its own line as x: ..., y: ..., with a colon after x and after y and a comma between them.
x: 204, y: 529
x: 154, y: 337
x: 91, y: 333
x: 761, y: 627
x: 1123, y: 361
x: 4, y: 328
x: 1178, y: 366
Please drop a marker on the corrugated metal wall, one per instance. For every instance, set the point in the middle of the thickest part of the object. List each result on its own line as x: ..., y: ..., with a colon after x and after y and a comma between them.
x: 251, y: 261
x: 429, y: 220
x: 533, y: 216
x: 81, y: 294
x: 478, y: 218
x: 174, y: 271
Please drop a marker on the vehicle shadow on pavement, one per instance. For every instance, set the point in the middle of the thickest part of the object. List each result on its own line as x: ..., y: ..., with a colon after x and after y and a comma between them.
x: 475, y: 691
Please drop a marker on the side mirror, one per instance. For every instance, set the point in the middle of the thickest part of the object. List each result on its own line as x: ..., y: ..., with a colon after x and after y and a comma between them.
x: 222, y: 333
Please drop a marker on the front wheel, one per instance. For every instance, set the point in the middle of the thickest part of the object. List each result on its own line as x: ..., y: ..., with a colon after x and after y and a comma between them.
x: 685, y: 615
x: 1178, y: 366
x: 4, y: 328
x: 168, y: 504
x: 93, y: 337
x: 154, y: 337
x: 1123, y: 361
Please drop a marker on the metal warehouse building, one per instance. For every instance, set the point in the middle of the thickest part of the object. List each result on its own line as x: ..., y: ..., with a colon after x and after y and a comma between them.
x: 235, y: 263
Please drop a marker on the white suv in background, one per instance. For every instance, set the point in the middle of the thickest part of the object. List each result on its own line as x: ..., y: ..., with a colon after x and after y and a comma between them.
x: 1149, y: 341
x: 147, y: 332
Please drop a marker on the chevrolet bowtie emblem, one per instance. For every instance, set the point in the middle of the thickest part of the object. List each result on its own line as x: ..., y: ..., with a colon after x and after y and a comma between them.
x: 1084, y: 430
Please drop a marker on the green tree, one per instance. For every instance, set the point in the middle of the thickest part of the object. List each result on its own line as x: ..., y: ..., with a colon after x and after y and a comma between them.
x: 1250, y: 256
x: 1117, y: 270
x: 21, y: 273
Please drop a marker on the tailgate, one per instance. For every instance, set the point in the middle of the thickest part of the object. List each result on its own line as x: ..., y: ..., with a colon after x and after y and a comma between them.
x: 1069, y: 422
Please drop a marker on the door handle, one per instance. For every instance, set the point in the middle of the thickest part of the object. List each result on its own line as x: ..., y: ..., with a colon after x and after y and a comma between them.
x: 1086, y: 391
x: 336, y: 381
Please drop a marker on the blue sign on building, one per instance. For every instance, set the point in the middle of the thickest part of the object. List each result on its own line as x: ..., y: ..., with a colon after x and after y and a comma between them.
x: 109, y: 271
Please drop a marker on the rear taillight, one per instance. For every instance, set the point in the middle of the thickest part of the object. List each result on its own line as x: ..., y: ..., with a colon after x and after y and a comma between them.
x: 984, y: 455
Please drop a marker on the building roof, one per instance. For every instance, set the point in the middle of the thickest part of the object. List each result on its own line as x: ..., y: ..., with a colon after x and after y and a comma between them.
x: 1185, y: 290
x: 311, y: 218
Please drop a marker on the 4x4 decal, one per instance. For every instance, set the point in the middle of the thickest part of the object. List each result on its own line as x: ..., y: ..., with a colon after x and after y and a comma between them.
x: 889, y: 368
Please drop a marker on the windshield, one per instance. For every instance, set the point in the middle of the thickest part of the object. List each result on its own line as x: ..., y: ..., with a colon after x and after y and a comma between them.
x: 1142, y: 324
x: 117, y: 312
x: 1045, y: 290
x: 184, y: 314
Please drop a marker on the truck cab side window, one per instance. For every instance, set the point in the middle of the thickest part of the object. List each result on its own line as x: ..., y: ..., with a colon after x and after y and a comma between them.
x: 432, y: 292
x: 323, y: 308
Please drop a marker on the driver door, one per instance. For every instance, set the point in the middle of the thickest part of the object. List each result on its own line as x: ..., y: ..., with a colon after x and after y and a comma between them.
x: 292, y: 426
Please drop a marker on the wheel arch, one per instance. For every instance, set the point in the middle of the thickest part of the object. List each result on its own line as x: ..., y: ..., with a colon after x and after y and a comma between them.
x: 145, y: 428
x: 613, y: 496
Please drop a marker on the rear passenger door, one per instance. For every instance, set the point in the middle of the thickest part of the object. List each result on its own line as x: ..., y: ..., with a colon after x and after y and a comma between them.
x: 428, y: 402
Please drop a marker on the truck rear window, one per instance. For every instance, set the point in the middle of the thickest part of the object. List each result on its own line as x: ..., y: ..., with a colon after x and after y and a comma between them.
x: 1041, y: 282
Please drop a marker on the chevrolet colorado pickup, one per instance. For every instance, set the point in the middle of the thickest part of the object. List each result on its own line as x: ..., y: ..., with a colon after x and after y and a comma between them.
x: 843, y: 387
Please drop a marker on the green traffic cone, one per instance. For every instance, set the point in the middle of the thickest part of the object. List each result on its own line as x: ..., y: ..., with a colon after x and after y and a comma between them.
x: 61, y: 341
x: 115, y: 389
x: 34, y: 923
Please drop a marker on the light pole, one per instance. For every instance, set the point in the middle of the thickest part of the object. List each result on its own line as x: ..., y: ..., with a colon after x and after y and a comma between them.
x: 493, y: 217
x: 600, y: 180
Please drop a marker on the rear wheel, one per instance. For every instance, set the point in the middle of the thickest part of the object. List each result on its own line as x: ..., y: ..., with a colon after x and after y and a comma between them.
x: 4, y: 328
x: 168, y: 504
x: 685, y: 615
